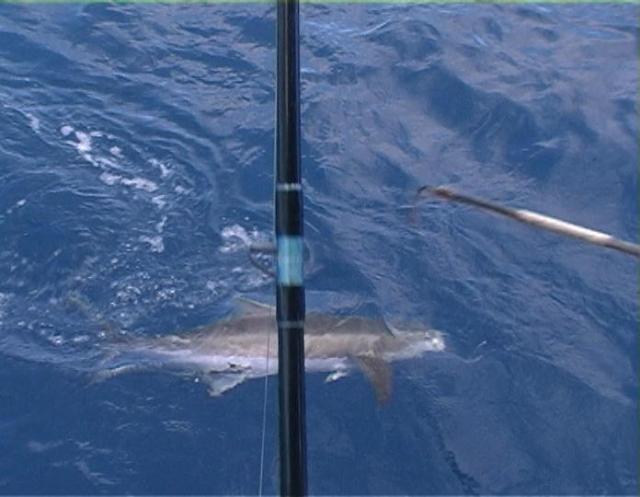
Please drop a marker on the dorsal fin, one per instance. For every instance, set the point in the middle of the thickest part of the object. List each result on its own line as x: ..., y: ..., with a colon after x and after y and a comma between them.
x: 248, y: 306
x: 389, y: 328
x: 378, y: 373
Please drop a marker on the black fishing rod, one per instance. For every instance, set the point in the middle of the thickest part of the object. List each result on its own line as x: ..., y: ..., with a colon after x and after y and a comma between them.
x: 290, y: 305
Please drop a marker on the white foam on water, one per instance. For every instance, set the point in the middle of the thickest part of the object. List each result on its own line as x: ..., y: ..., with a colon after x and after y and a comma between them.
x: 161, y: 224
x: 479, y: 40
x: 164, y: 170
x: 110, y: 179
x: 4, y: 300
x: 166, y: 294
x: 235, y: 237
x: 111, y: 162
x: 94, y: 477
x: 129, y: 294
x: 17, y: 205
x: 140, y: 184
x: 214, y: 286
x: 156, y: 243
x: 89, y: 158
x: 159, y: 201
x: 108, y: 162
x: 56, y: 340
x: 84, y: 142
x: 34, y: 122
x: 66, y: 130
x: 83, y: 145
x: 137, y: 183
x: 40, y: 447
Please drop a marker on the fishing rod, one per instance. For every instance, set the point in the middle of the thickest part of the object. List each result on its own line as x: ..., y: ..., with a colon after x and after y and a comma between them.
x: 537, y: 220
x: 290, y: 302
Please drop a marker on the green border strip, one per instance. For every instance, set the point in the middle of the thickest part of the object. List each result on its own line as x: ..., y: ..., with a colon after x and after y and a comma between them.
x: 320, y: 2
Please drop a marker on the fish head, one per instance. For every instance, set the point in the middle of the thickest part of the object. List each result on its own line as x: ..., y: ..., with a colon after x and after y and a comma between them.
x: 433, y: 340
x: 415, y: 342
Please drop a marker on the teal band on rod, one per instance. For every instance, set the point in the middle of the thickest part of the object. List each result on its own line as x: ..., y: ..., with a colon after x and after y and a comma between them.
x: 290, y: 260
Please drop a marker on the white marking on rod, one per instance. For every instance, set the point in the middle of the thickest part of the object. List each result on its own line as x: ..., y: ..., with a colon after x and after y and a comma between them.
x: 289, y: 187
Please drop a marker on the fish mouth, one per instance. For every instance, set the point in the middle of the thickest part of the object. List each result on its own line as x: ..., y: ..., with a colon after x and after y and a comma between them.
x: 435, y: 340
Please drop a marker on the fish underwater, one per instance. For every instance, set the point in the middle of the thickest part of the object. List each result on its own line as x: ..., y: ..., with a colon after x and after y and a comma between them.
x: 244, y: 346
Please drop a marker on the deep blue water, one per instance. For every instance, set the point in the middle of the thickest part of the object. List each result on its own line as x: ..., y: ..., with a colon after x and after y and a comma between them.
x: 136, y: 154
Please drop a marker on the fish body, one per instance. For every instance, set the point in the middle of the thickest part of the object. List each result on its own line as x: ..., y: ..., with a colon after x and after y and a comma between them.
x: 243, y: 347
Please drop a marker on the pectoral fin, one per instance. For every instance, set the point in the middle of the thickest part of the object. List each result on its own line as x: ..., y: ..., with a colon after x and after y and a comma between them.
x: 336, y: 375
x: 379, y: 374
x: 220, y: 383
x: 108, y: 373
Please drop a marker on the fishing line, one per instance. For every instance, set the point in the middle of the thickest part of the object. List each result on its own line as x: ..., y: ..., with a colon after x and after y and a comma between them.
x: 264, y: 414
x: 255, y: 250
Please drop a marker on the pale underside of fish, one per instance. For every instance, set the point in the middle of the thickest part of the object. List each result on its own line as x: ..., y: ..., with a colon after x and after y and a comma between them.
x: 229, y: 352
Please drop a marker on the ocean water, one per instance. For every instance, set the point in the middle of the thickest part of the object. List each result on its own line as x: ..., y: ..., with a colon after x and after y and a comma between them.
x: 136, y: 153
